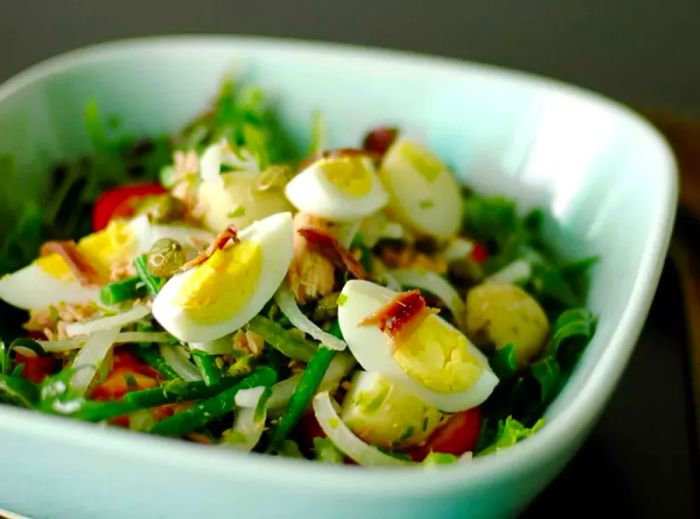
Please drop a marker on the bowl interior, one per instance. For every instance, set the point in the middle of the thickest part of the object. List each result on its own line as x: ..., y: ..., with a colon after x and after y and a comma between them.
x: 605, y: 177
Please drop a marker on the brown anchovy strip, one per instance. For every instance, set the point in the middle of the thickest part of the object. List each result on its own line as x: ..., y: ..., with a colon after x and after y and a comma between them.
x: 327, y: 245
x: 221, y: 240
x: 82, y: 269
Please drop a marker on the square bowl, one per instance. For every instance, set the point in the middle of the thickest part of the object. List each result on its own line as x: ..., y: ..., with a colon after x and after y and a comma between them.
x: 605, y: 176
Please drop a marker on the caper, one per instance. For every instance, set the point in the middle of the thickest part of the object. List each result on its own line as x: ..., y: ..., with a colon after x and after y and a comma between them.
x: 165, y: 258
x: 161, y: 208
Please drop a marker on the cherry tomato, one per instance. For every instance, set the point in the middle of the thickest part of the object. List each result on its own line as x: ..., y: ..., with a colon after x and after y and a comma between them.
x: 128, y: 374
x: 479, y: 253
x: 121, y: 202
x: 457, y: 436
x: 36, y: 368
x: 379, y: 139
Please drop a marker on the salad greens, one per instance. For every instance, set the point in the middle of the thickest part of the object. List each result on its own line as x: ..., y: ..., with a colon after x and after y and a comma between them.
x: 261, y: 385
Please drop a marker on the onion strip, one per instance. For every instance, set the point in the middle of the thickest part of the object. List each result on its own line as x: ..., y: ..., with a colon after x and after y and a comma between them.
x: 337, y: 370
x: 288, y: 305
x: 176, y: 357
x: 107, y: 323
x: 345, y: 439
x: 251, y: 416
x: 91, y: 357
x: 515, y: 272
x: 123, y: 338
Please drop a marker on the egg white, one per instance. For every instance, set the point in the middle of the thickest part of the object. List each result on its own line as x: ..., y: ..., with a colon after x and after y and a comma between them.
x: 372, y: 348
x: 432, y: 207
x: 34, y: 287
x: 312, y: 192
x: 274, y: 235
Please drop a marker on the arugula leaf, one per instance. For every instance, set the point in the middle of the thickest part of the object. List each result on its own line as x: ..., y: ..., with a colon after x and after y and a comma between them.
x: 547, y: 373
x: 573, y: 324
x: 504, y: 362
x: 510, y: 431
x: 18, y: 391
x: 489, y: 218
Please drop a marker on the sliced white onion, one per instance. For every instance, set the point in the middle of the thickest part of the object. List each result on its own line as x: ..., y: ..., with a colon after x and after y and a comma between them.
x: 516, y: 272
x: 249, y: 397
x: 345, y: 439
x: 126, y: 337
x: 288, y: 305
x: 122, y: 338
x: 210, y: 164
x: 282, y: 392
x: 458, y: 249
x: 435, y: 284
x: 219, y: 346
x: 240, y: 159
x: 250, y: 420
x: 107, y: 323
x: 177, y: 358
x: 90, y: 358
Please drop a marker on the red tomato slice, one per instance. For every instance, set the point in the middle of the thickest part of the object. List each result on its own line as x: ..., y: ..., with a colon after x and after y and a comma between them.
x: 128, y: 374
x: 457, y: 436
x: 36, y: 368
x: 121, y: 202
x: 479, y: 253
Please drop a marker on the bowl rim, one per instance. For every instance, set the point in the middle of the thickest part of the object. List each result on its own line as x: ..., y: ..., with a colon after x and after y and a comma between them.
x: 581, y: 413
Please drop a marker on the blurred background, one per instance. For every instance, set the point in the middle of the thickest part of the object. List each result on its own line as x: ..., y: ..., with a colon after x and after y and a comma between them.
x: 642, y: 459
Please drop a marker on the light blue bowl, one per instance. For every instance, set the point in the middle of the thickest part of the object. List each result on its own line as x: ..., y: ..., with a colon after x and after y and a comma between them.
x: 604, y: 174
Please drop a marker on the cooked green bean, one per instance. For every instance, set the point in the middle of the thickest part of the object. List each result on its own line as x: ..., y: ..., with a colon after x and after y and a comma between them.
x: 178, y: 391
x: 204, y: 412
x: 304, y: 392
x: 207, y: 367
x: 152, y: 282
x: 287, y: 343
x: 121, y: 291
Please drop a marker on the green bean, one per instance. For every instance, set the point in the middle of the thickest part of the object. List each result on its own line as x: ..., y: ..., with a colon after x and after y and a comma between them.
x: 121, y: 291
x: 96, y: 411
x: 207, y: 367
x: 201, y: 414
x: 153, y: 358
x: 304, y: 392
x: 287, y: 343
x: 178, y: 391
x: 152, y: 282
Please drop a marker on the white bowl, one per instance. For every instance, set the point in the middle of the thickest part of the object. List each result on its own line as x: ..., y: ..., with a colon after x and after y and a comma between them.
x: 604, y: 174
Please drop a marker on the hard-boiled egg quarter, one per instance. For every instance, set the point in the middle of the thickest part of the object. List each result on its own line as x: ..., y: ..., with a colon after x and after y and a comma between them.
x: 436, y: 361
x: 423, y: 193
x: 229, y: 288
x: 49, y: 280
x: 340, y: 189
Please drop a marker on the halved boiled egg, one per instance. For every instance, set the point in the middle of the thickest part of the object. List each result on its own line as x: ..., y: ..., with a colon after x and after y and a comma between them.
x: 49, y: 280
x: 341, y: 189
x: 434, y: 360
x: 423, y: 193
x: 228, y: 289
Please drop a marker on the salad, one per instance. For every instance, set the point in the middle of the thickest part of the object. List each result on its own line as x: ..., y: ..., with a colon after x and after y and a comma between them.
x: 349, y: 305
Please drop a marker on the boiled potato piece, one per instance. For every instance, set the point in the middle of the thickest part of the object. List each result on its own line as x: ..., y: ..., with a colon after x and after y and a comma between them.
x: 502, y: 314
x: 383, y: 413
x: 239, y: 201
x: 423, y: 194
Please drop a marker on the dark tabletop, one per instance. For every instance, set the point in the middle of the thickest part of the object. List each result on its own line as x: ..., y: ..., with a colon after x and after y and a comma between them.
x: 639, y: 461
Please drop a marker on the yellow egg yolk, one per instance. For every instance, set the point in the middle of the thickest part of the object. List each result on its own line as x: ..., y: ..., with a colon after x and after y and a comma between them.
x: 421, y: 159
x: 113, y: 245
x: 221, y: 286
x: 437, y: 355
x: 348, y: 174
